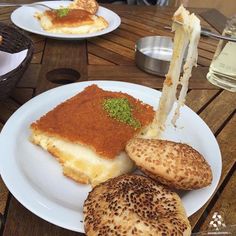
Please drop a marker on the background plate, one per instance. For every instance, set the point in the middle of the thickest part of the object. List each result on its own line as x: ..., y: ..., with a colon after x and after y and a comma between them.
x: 23, y: 17
x: 36, y: 180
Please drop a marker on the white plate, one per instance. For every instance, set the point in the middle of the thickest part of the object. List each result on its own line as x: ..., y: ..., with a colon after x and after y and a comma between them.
x: 23, y: 17
x: 36, y: 179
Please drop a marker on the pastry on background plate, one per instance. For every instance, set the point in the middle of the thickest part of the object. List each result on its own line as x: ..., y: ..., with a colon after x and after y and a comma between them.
x: 88, y: 5
x: 134, y: 205
x: 88, y: 133
x: 78, y: 18
x: 176, y: 165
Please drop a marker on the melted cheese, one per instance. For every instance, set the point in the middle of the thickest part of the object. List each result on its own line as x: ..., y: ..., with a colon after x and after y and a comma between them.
x: 187, y: 34
x: 81, y: 163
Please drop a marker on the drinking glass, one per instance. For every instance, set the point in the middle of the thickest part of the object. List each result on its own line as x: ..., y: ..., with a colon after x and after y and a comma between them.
x: 222, y: 71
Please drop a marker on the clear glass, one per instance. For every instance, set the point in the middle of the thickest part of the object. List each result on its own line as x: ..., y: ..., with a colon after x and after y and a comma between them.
x: 222, y: 71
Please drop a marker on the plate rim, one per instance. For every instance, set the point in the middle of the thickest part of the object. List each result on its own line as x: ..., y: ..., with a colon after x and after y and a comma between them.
x: 67, y: 36
x: 84, y: 84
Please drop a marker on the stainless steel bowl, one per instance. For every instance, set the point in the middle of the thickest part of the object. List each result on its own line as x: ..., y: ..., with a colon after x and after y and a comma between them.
x: 153, y: 54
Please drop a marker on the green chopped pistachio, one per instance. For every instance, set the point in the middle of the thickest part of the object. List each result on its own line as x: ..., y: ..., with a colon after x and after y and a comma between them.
x: 62, y: 12
x: 121, y: 110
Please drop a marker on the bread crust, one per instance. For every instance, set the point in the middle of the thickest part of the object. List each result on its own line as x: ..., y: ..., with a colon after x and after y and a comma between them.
x: 134, y: 205
x: 176, y: 165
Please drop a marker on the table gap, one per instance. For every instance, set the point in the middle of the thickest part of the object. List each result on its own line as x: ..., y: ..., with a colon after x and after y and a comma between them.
x: 5, y: 214
x: 224, y: 123
x: 205, y: 105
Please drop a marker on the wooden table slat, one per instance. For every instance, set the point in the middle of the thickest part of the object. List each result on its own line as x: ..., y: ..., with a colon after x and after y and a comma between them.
x: 30, y: 77
x: 22, y: 95
x: 215, y: 19
x: 3, y: 196
x: 226, y: 104
x: 104, y: 43
x: 108, y: 55
x: 225, y: 139
x: 94, y: 60
x: 18, y: 219
x: 7, y: 107
x: 72, y: 52
x: 225, y: 206
x: 197, y: 99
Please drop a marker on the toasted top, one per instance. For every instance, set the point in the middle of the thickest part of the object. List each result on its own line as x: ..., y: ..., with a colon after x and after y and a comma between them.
x: 134, y: 205
x: 69, y: 17
x: 83, y: 119
x: 174, y: 164
x: 88, y: 5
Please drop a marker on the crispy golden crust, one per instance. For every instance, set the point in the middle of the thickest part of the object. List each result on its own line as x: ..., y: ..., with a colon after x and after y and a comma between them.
x: 174, y: 164
x: 73, y: 173
x: 82, y: 119
x: 74, y: 17
x: 134, y: 205
x: 88, y: 5
x: 76, y: 21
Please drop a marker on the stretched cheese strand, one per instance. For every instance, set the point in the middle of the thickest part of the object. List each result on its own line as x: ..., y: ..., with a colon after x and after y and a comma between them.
x: 191, y: 61
x: 187, y: 31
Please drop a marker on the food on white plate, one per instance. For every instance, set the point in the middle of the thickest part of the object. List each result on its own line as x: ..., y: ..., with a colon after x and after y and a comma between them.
x: 89, y: 5
x: 88, y: 133
x: 134, y: 205
x: 77, y: 18
x: 176, y: 165
x: 187, y: 33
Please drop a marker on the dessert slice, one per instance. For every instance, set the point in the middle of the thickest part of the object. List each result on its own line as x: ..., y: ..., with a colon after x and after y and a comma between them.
x: 88, y: 133
x: 71, y: 21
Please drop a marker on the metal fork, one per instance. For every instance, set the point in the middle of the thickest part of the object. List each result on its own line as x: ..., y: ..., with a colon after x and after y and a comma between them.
x: 208, y: 33
x: 28, y: 5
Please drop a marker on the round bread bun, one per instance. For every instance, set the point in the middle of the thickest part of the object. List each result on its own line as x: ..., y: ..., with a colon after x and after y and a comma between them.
x: 174, y: 164
x: 87, y: 5
x: 134, y: 205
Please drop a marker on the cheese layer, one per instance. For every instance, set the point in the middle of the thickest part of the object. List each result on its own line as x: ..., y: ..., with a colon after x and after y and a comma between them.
x: 81, y: 163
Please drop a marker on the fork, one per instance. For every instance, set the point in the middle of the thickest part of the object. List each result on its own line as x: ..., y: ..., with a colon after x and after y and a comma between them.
x: 27, y: 4
x: 208, y: 33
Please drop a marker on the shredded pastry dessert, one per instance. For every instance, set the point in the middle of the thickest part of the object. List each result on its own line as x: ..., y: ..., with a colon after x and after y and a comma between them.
x: 187, y: 34
x: 77, y: 18
x: 88, y: 133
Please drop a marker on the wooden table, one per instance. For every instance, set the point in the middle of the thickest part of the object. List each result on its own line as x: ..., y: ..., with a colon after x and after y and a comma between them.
x: 111, y: 57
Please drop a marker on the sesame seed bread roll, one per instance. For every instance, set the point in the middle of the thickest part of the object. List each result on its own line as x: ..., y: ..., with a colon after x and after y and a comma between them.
x: 134, y: 205
x: 174, y: 164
